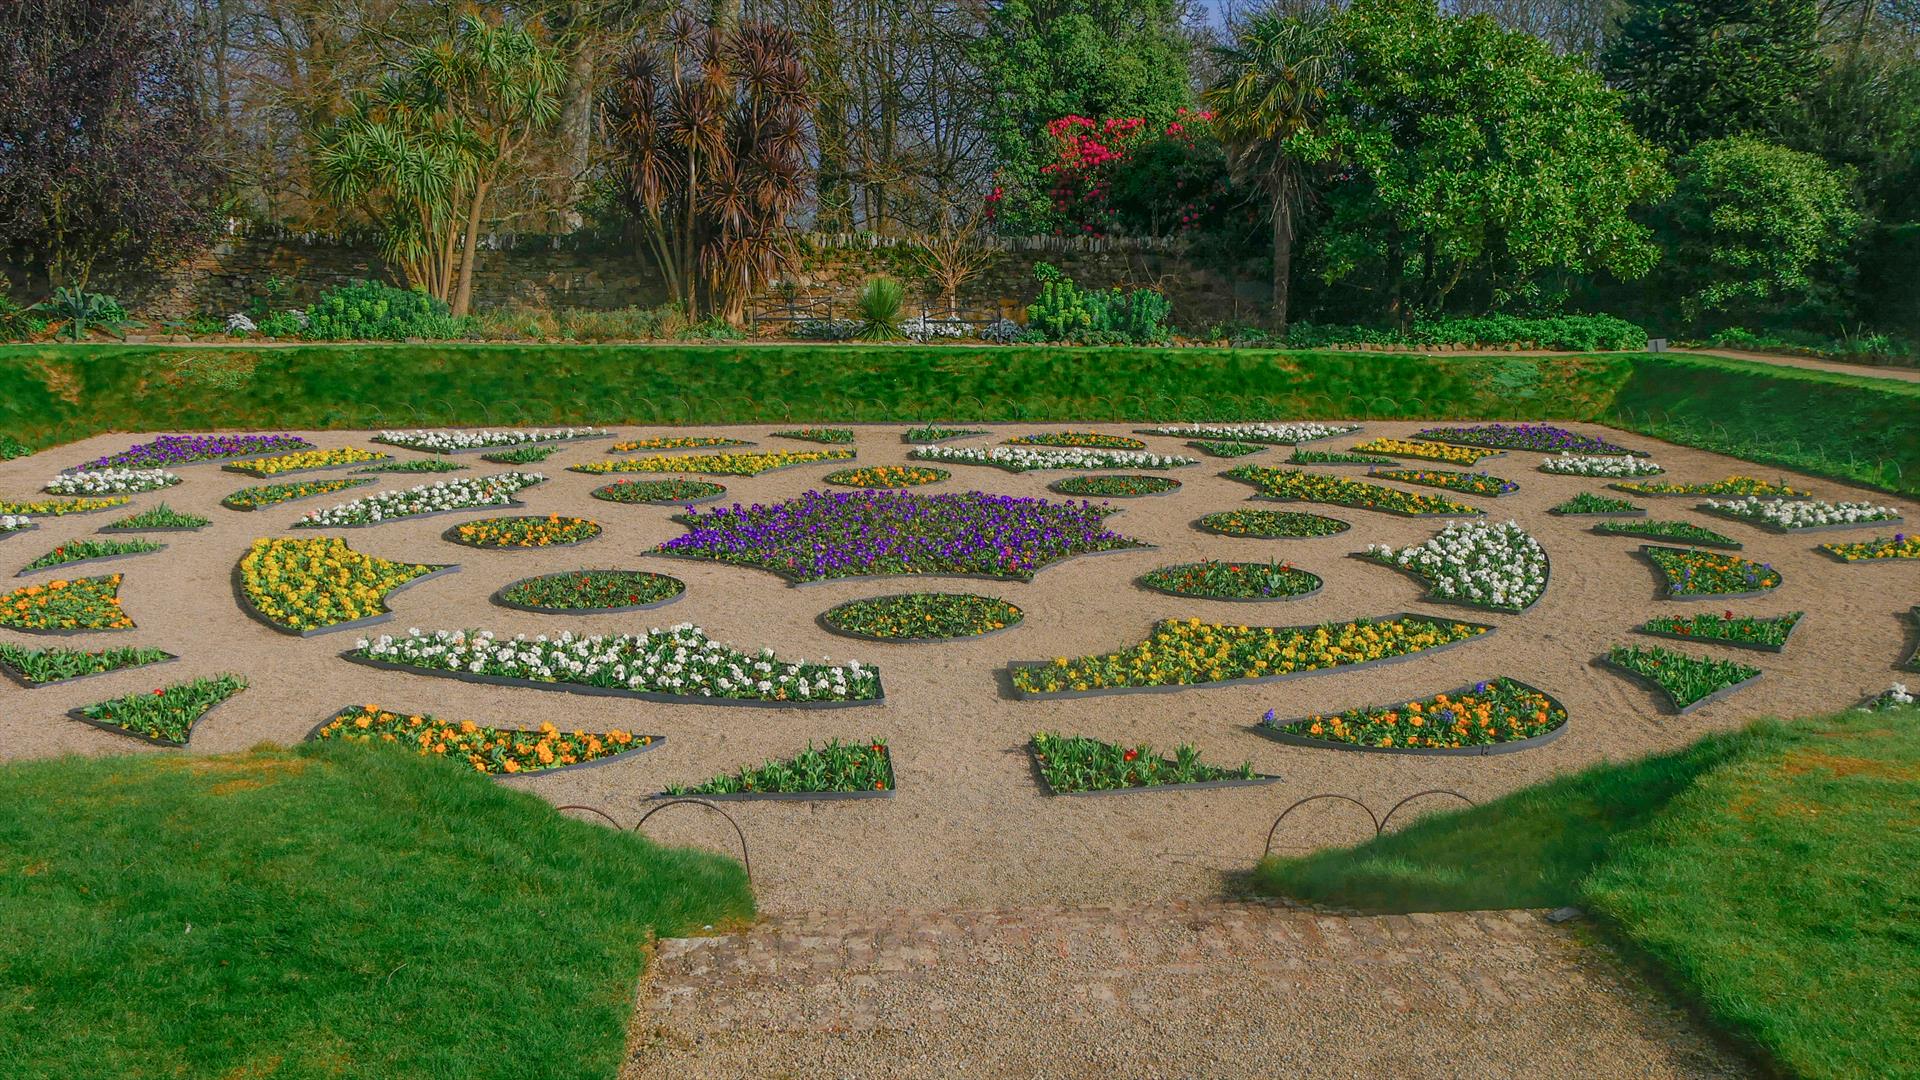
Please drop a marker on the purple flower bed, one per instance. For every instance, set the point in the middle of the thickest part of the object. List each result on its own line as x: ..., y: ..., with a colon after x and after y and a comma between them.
x: 186, y: 449
x: 1542, y: 437
x: 839, y: 534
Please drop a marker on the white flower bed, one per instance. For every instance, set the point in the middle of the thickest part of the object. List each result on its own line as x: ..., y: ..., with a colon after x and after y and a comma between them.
x: 1027, y: 459
x: 1488, y: 564
x: 111, y: 482
x: 1622, y: 465
x: 14, y: 522
x: 441, y: 442
x: 921, y: 328
x: 680, y: 660
x: 458, y: 494
x: 1897, y: 695
x: 1801, y: 513
x: 1286, y: 434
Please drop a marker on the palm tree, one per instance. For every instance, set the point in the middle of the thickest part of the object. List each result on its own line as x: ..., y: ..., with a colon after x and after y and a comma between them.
x: 1271, y: 90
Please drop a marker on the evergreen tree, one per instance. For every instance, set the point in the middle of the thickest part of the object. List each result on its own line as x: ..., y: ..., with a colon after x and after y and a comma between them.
x: 1705, y: 69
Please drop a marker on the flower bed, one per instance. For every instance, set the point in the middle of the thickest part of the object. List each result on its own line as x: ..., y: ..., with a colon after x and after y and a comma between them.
x: 1487, y: 717
x: 439, y: 497
x: 1192, y: 653
x: 1689, y: 682
x: 61, y: 507
x: 162, y: 518
x: 1913, y: 662
x: 1542, y: 437
x: 1691, y: 574
x: 459, y: 442
x: 189, y: 449
x: 1587, y: 504
x: 659, y: 492
x: 305, y: 461
x: 1425, y: 451
x: 1294, y: 485
x: 679, y: 663
x: 490, y: 750
x: 259, y: 498
x: 1740, y: 631
x: 887, y: 476
x: 1271, y: 524
x: 1900, y: 546
x: 111, y: 482
x: 748, y: 464
x: 1732, y: 485
x: 165, y: 716
x: 1213, y: 580
x: 592, y: 591
x: 521, y: 455
x: 835, y: 769
x: 912, y: 617
x: 1668, y: 530
x: 1222, y: 448
x: 1619, y: 465
x: 1076, y: 765
x: 1078, y: 440
x: 928, y: 434
x: 524, y: 532
x: 1115, y: 486
x: 1336, y: 457
x: 1785, y: 515
x: 823, y: 535
x: 43, y: 667
x: 675, y: 442
x: 417, y: 465
x: 1270, y: 434
x: 314, y: 586
x: 66, y: 607
x: 1477, y: 563
x: 89, y: 551
x: 836, y: 436
x: 13, y: 523
x: 1463, y: 482
x: 1026, y: 459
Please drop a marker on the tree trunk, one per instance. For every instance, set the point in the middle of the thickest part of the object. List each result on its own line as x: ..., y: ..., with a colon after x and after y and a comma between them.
x: 1282, y: 255
x: 576, y: 117
x: 463, y: 302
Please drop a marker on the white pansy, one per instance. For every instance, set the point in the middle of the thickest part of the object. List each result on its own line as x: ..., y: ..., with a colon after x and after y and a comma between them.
x: 461, y: 494
x: 1024, y: 459
x: 1272, y: 433
x: 1492, y: 564
x: 1802, y: 513
x: 111, y: 482
x: 1620, y: 465
x: 440, y: 442
x: 14, y: 522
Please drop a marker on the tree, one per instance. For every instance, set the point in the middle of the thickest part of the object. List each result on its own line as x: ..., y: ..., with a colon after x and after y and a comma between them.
x: 708, y: 130
x: 1754, y: 227
x: 422, y: 152
x: 1702, y: 69
x: 1471, y: 159
x: 103, y: 149
x: 952, y: 257
x: 1270, y: 91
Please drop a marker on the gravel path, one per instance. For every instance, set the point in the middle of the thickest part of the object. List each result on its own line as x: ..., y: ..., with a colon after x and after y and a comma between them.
x: 1167, y: 990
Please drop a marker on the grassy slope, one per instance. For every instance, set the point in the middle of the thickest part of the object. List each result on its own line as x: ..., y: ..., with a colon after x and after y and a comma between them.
x: 1853, y: 427
x: 329, y: 911
x: 1774, y: 872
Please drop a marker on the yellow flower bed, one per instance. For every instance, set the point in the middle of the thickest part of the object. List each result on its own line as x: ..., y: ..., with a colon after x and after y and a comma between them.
x: 675, y: 442
x: 1191, y: 653
x: 487, y: 749
x: 887, y: 476
x: 752, y: 463
x: 525, y: 532
x: 57, y: 507
x: 81, y: 604
x: 1901, y: 546
x: 1426, y: 451
x: 311, y: 584
x: 306, y: 459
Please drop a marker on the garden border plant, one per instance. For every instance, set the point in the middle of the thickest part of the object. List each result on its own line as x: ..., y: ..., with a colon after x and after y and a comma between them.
x: 294, y: 491
x: 35, y: 567
x: 1880, y: 549
x: 886, y: 476
x: 261, y: 466
x: 226, y: 686
x: 1388, y: 556
x: 59, y: 508
x: 12, y: 668
x: 1204, y: 524
x: 642, y: 743
x: 826, y: 621
x: 1759, y: 513
x: 175, y: 451
x: 1241, y: 777
x: 1285, y: 433
x: 110, y: 583
x: 1608, y: 508
x: 1725, y: 690
x: 1328, y: 490
x: 1731, y: 485
x: 719, y: 492
x: 512, y: 483
x: 1276, y: 729
x: 1233, y: 566
x: 934, y: 435
x: 161, y: 512
x: 1642, y: 530
x: 247, y: 605
x: 442, y: 441
x: 501, y: 598
x: 1540, y: 438
x: 749, y: 464
x: 1671, y: 582
x: 453, y: 533
x: 684, y: 791
x: 1087, y: 487
x: 1485, y: 485
x: 1793, y: 620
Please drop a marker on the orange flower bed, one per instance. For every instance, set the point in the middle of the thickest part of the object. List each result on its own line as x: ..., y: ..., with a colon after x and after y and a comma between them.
x: 496, y: 751
x: 81, y: 604
x: 524, y: 532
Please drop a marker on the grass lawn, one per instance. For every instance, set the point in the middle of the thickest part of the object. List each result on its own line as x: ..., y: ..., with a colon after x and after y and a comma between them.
x: 1774, y: 873
x: 331, y: 911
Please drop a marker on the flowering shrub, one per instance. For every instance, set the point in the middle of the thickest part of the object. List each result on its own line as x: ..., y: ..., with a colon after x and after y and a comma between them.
x: 1787, y: 515
x: 748, y: 464
x: 1122, y: 175
x: 1901, y: 546
x: 1233, y: 581
x: 1690, y: 573
x: 675, y: 442
x: 1732, y: 485
x: 61, y: 507
x: 679, y: 661
x: 844, y: 534
x: 166, y: 715
x: 443, y: 442
x: 463, y: 493
x: 81, y: 604
x: 255, y: 498
x: 1114, y: 486
x: 1276, y: 434
x: 490, y: 750
x: 40, y: 667
x: 305, y: 460
x: 524, y: 532
x: 1728, y: 628
x: 1684, y: 679
x: 1084, y: 440
x: 186, y: 449
x: 1667, y: 530
x: 1467, y: 483
x: 1590, y: 465
x: 593, y: 590
x: 887, y: 476
x: 111, y: 482
x: 1024, y: 459
x: 835, y: 767
x: 1070, y: 763
x: 1295, y: 485
x: 658, y: 491
x: 1272, y: 524
x: 1485, y: 564
x: 305, y: 585
x: 923, y: 616
x: 1542, y: 437
x: 1490, y: 713
x: 83, y: 550
x: 1426, y: 451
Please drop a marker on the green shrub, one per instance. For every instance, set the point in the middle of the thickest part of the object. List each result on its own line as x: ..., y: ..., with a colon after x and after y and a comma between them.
x: 1065, y: 312
x: 1570, y: 333
x: 371, y: 311
x: 879, y: 309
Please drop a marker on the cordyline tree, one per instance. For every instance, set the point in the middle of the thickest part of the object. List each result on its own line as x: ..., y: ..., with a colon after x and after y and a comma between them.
x: 104, y: 154
x: 422, y: 152
x: 707, y: 123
